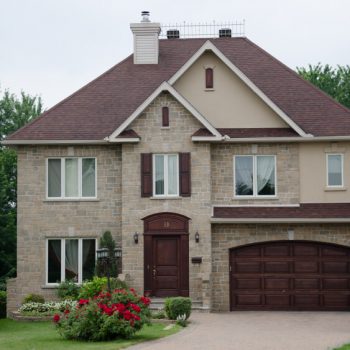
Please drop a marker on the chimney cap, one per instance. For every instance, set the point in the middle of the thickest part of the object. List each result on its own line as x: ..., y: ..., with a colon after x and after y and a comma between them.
x: 145, y: 16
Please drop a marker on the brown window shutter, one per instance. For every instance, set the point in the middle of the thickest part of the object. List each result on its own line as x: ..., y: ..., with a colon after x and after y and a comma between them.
x: 146, y: 174
x: 209, y: 78
x: 165, y: 116
x: 185, y: 174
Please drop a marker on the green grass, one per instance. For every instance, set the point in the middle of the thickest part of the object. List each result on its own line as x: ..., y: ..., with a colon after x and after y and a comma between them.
x: 43, y: 335
x: 344, y: 347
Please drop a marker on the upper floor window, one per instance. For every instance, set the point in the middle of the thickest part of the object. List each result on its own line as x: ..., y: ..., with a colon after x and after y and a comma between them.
x: 335, y: 170
x: 255, y: 176
x: 70, y: 259
x: 165, y: 116
x: 71, y: 178
x: 165, y: 175
x: 209, y: 78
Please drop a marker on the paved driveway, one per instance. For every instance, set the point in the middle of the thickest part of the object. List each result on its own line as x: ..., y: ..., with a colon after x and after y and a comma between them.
x: 259, y: 331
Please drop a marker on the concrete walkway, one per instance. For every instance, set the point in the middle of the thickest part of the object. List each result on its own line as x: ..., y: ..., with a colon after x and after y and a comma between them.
x: 259, y: 331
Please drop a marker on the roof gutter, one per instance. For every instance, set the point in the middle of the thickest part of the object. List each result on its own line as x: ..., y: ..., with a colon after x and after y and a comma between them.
x: 53, y: 142
x: 277, y: 220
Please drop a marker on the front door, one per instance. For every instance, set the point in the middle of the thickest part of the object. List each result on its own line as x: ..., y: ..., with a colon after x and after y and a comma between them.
x: 166, y: 255
x: 166, y: 266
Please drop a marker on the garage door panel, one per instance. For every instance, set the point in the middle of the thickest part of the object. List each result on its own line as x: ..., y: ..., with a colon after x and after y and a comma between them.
x: 291, y: 275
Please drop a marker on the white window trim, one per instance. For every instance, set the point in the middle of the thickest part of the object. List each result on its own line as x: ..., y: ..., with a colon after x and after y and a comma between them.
x: 166, y: 188
x: 63, y: 257
x: 255, y: 194
x: 63, y: 179
x: 342, y: 170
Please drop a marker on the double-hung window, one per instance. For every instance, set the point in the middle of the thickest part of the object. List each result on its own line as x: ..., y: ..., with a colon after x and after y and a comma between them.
x: 70, y: 259
x: 71, y: 178
x: 255, y: 176
x: 335, y: 170
x: 165, y: 175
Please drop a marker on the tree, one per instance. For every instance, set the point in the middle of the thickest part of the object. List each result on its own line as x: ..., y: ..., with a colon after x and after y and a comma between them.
x: 14, y: 113
x: 333, y: 81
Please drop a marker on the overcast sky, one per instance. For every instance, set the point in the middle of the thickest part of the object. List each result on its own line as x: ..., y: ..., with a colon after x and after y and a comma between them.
x: 53, y: 47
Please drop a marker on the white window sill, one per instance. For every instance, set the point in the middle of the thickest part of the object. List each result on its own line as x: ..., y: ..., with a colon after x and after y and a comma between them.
x: 209, y: 89
x: 331, y: 189
x: 254, y: 198
x: 165, y: 127
x: 163, y: 198
x: 71, y: 200
x: 49, y: 286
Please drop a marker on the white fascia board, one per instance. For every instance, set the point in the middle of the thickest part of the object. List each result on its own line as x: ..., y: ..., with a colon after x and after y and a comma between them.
x: 277, y: 220
x: 125, y: 140
x: 53, y: 142
x: 208, y: 45
x: 282, y: 205
x: 163, y: 87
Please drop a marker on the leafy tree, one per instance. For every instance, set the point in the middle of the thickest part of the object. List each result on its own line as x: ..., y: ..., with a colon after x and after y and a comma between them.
x: 333, y: 81
x: 14, y: 113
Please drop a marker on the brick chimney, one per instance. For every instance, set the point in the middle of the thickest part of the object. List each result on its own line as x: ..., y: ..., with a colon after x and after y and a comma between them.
x: 146, y: 42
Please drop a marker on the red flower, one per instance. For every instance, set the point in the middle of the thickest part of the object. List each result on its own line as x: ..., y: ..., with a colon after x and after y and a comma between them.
x: 136, y: 307
x: 146, y: 301
x: 127, y: 315
x: 136, y: 317
x: 83, y: 302
x: 66, y: 311
x: 56, y: 318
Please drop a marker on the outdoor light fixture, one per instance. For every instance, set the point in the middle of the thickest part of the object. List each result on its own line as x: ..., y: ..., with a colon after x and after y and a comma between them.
x: 196, y: 237
x: 136, y: 237
x: 118, y: 252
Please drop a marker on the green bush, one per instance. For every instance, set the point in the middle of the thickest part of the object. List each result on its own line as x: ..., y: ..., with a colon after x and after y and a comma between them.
x: 33, y: 298
x: 178, y: 306
x: 160, y: 314
x: 2, y: 304
x: 116, y: 283
x: 68, y: 290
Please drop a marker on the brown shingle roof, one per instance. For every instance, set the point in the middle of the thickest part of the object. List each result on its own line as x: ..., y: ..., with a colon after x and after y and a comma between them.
x: 97, y: 109
x: 306, y: 211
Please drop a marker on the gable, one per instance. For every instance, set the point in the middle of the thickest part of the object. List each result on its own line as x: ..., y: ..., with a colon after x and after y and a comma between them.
x: 231, y: 104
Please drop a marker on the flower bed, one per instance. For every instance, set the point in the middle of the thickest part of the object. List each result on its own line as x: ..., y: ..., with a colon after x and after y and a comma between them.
x: 44, y: 309
x: 106, y: 316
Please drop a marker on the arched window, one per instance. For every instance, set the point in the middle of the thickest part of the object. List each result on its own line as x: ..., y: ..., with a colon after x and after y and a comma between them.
x: 209, y: 78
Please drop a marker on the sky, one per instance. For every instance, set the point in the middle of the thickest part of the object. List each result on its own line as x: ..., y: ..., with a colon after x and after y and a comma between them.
x: 51, y: 48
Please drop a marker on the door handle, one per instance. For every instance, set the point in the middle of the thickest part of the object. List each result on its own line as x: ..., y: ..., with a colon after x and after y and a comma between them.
x: 154, y: 271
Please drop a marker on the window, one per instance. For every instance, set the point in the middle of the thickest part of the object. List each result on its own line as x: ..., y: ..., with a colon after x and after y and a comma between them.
x: 334, y: 170
x: 165, y: 116
x: 72, y: 259
x: 209, y: 78
x: 255, y: 176
x: 165, y: 175
x: 71, y: 178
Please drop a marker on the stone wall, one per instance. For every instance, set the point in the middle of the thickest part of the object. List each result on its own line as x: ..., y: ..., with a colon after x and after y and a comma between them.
x: 39, y: 219
x: 287, y: 159
x: 227, y: 236
x: 175, y: 139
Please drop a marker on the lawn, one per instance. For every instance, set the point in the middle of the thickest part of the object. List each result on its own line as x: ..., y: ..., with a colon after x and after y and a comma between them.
x: 43, y: 335
x: 344, y: 347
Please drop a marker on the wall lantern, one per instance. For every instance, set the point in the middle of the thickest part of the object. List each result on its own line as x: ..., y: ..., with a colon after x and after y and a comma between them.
x: 196, y: 237
x: 102, y: 253
x: 136, y: 237
x: 118, y: 252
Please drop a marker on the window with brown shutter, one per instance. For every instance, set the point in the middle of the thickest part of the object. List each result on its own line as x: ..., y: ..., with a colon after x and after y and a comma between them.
x: 146, y: 174
x: 165, y: 116
x: 209, y: 78
x: 185, y: 174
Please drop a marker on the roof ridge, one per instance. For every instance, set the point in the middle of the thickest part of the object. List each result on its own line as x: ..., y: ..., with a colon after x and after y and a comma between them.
x: 68, y: 97
x: 306, y: 82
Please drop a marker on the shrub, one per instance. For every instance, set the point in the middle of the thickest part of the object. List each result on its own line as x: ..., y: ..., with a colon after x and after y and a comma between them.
x: 2, y: 304
x: 178, y: 306
x: 116, y: 283
x: 89, y: 289
x: 107, y: 316
x: 160, y: 314
x: 68, y: 290
x: 46, y: 308
x: 33, y: 298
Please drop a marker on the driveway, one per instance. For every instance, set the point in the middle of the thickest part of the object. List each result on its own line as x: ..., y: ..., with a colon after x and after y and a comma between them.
x: 259, y: 331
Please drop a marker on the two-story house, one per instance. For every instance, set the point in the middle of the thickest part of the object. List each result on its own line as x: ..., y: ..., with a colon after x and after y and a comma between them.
x: 220, y: 172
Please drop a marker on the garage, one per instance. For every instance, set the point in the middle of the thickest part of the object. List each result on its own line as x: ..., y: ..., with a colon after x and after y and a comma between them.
x: 290, y: 275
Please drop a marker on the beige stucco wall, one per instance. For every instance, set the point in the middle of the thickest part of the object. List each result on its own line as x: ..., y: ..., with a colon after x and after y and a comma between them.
x: 287, y: 160
x: 231, y: 104
x: 225, y: 237
x: 313, y: 173
x: 175, y: 139
x: 39, y: 219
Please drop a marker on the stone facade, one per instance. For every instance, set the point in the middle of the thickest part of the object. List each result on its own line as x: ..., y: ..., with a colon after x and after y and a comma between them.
x: 287, y: 169
x: 39, y: 218
x: 229, y: 236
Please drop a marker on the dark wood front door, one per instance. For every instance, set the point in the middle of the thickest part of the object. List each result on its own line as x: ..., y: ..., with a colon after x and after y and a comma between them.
x: 166, y: 255
x: 290, y: 275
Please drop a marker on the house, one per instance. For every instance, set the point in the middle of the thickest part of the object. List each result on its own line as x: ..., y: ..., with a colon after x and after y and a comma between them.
x: 220, y: 172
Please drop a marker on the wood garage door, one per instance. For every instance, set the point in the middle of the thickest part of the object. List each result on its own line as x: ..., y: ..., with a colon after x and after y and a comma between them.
x: 290, y: 275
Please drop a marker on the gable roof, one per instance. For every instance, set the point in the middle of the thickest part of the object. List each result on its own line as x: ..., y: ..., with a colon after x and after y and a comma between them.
x: 95, y: 111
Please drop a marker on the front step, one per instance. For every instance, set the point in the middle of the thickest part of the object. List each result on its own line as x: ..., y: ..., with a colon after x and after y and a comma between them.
x: 158, y: 304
